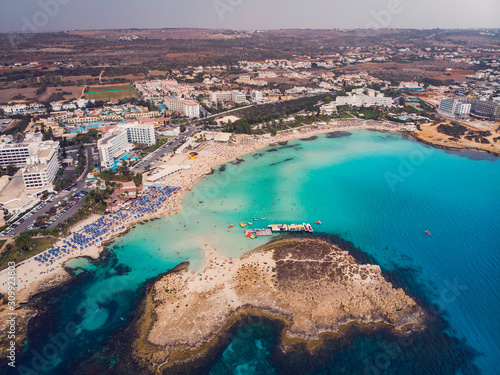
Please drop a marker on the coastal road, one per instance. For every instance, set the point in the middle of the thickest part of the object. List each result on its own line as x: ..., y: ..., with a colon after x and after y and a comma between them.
x: 192, y: 128
x: 80, y: 185
x: 167, y: 148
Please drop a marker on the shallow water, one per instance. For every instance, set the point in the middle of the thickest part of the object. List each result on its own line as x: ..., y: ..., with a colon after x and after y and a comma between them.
x: 378, y: 190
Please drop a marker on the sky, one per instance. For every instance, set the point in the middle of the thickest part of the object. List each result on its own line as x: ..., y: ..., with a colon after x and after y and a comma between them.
x: 54, y: 15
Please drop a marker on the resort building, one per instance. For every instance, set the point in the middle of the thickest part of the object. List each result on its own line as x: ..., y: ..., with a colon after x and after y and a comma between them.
x: 111, y: 147
x: 42, y: 167
x: 257, y: 95
x: 139, y: 132
x: 115, y: 145
x: 456, y: 108
x: 328, y: 109
x: 189, y: 107
x: 488, y: 110
x: 228, y: 96
x: 364, y: 100
x: 16, y: 153
x: 39, y: 169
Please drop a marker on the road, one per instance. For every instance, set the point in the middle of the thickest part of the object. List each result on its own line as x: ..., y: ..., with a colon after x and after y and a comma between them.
x: 80, y: 185
x: 168, y: 148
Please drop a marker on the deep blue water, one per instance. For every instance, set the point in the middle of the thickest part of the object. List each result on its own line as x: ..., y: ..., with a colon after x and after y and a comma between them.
x: 379, y: 191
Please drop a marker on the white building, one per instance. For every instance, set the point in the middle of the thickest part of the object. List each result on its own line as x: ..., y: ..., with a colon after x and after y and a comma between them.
x: 113, y: 146
x: 363, y: 100
x: 16, y: 153
x: 257, y: 95
x: 328, y: 109
x: 42, y: 167
x: 267, y: 75
x: 457, y: 108
x: 139, y: 133
x: 228, y: 96
x: 189, y: 107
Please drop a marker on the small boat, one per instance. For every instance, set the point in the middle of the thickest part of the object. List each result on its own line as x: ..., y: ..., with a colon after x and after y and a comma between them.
x: 243, y: 225
x: 262, y: 218
x: 231, y: 226
x: 156, y: 227
x: 427, y: 232
x: 250, y: 223
x: 255, y: 219
x: 252, y: 237
x: 248, y: 233
x: 318, y: 222
x: 305, y: 227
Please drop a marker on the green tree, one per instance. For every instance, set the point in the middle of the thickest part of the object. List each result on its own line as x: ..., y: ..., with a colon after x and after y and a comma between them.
x: 137, y: 179
x: 11, y: 170
x: 24, y: 241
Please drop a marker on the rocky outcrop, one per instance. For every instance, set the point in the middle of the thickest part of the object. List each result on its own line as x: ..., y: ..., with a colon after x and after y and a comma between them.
x: 312, y: 286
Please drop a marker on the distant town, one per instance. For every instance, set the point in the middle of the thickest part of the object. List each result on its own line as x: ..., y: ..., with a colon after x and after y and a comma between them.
x: 77, y: 138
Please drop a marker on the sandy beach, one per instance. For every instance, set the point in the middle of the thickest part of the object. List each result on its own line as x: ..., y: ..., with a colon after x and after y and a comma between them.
x: 32, y: 277
x: 186, y: 312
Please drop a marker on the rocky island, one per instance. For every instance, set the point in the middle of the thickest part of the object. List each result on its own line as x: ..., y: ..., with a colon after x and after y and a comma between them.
x: 313, y: 287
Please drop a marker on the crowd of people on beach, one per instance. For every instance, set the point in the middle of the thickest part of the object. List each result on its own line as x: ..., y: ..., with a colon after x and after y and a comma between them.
x: 156, y: 199
x: 92, y: 234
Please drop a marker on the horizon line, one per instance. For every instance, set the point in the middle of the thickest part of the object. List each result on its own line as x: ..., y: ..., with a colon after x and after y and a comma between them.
x: 245, y: 30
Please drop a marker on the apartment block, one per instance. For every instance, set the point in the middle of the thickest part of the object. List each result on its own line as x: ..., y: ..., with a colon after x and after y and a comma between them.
x: 485, y: 109
x: 189, y: 107
x: 457, y: 108
x: 228, y: 96
x: 41, y: 168
x: 112, y: 146
x: 363, y: 100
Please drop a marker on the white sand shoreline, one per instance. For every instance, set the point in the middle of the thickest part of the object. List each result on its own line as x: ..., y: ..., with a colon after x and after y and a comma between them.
x: 33, y: 279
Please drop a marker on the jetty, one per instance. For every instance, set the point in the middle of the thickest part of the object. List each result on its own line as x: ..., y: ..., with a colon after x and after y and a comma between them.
x: 291, y: 228
x: 257, y: 232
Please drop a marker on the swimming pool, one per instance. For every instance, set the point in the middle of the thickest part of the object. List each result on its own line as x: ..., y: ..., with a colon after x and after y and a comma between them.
x: 82, y: 129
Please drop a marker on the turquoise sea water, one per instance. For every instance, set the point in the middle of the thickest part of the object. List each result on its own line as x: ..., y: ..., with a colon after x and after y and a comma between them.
x: 379, y: 191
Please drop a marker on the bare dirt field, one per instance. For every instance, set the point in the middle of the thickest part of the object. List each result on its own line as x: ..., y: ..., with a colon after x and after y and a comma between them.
x: 9, y: 95
x: 108, y: 92
x: 457, y: 75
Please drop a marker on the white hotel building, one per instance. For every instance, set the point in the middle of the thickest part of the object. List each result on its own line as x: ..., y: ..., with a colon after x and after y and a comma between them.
x: 41, y: 168
x: 457, y: 108
x: 189, y: 107
x: 114, y: 145
x: 39, y: 161
x: 16, y: 153
x: 228, y: 96
x: 364, y: 100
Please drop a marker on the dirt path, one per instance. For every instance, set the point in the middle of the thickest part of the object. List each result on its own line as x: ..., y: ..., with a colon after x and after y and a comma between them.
x: 83, y: 92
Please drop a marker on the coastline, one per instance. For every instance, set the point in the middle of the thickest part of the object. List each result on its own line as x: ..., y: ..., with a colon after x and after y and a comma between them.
x: 456, y: 147
x: 211, y: 156
x: 152, y: 348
